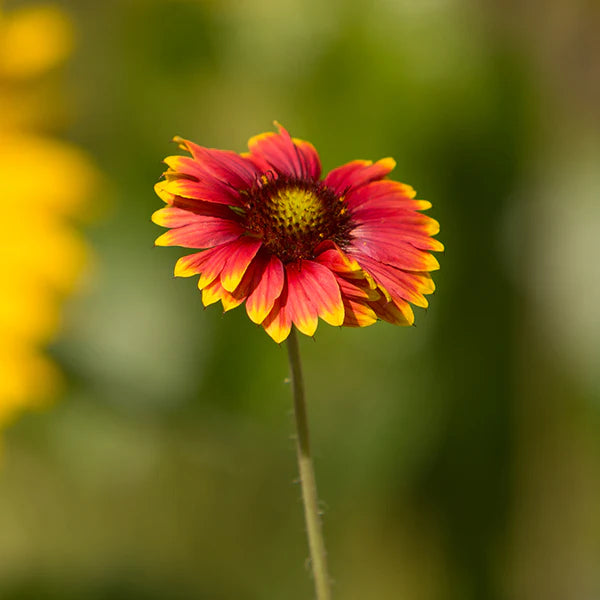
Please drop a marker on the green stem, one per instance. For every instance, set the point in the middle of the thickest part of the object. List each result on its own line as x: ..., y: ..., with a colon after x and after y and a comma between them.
x: 318, y: 555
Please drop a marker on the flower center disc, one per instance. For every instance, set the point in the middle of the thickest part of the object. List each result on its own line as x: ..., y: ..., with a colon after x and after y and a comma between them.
x: 294, y: 216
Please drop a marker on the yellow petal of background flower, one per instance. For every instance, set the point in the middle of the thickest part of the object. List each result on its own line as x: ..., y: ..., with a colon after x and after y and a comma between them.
x: 44, y: 185
x: 33, y: 40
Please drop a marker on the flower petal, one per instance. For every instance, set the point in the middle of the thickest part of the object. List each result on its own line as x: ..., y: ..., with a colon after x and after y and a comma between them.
x: 385, y: 190
x: 165, y: 196
x: 397, y: 313
x: 357, y: 289
x: 385, y: 208
x: 185, y: 165
x: 396, y: 222
x: 213, y: 263
x: 386, y: 246
x: 382, y: 212
x: 427, y: 283
x: 331, y: 256
x: 400, y: 286
x: 225, y: 165
x: 261, y: 300
x: 252, y: 276
x: 278, y: 323
x: 285, y: 155
x: 301, y: 310
x: 171, y: 216
x: 322, y: 290
x: 309, y: 156
x: 203, y: 232
x: 357, y: 173
x: 184, y: 210
x: 357, y: 314
x: 208, y: 191
x: 214, y: 292
x: 191, y: 264
x: 239, y: 260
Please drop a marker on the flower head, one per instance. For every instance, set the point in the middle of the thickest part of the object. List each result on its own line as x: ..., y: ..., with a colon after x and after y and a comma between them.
x: 350, y: 248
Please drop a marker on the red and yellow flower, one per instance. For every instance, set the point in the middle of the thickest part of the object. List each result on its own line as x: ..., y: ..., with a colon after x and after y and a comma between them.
x: 350, y: 248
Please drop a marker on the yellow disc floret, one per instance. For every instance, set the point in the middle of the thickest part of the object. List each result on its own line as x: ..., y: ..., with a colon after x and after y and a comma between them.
x: 297, y: 209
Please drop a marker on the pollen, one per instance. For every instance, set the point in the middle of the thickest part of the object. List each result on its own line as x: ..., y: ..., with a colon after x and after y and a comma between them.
x: 294, y: 216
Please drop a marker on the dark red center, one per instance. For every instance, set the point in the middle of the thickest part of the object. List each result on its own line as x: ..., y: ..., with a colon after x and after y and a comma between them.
x: 293, y: 216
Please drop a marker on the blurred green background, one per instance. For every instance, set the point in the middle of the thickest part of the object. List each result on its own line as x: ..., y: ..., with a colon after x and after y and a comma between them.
x: 458, y: 460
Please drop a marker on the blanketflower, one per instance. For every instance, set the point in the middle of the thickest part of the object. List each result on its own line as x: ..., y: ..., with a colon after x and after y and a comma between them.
x: 350, y: 248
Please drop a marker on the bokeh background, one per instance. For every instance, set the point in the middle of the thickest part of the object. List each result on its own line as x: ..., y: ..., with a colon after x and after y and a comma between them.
x: 147, y: 447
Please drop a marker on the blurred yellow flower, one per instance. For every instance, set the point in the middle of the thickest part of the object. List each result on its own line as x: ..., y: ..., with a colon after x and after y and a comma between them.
x: 33, y: 40
x: 44, y: 183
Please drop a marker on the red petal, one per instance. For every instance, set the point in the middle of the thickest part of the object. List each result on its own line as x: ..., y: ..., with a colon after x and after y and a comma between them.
x: 397, y: 226
x: 191, y: 264
x: 399, y: 284
x: 210, y: 190
x: 278, y: 323
x: 394, y: 221
x: 252, y: 276
x: 309, y: 157
x: 171, y: 216
x: 358, y: 314
x: 358, y: 288
x: 390, y: 249
x: 176, y: 216
x: 335, y: 259
x: 286, y: 156
x: 385, y: 189
x: 185, y: 165
x: 322, y: 291
x: 213, y: 263
x: 301, y: 310
x: 241, y: 254
x: 392, y: 313
x: 384, y: 209
x: 261, y: 300
x: 357, y: 173
x: 202, y: 232
x: 225, y: 165
x: 215, y: 291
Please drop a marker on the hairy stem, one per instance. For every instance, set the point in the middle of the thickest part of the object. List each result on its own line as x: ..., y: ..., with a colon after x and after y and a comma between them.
x: 318, y: 555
